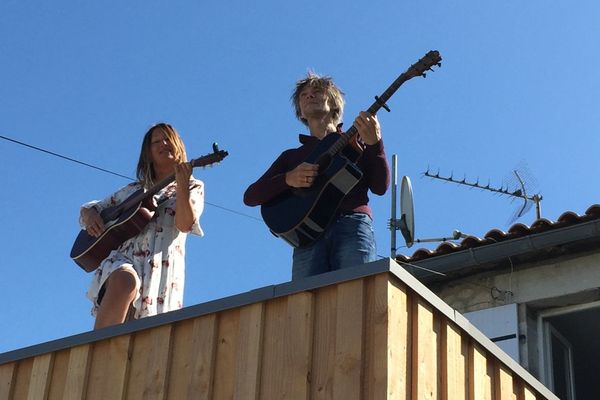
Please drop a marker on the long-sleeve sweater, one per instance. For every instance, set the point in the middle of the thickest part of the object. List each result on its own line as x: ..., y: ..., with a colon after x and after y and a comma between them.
x: 372, y: 162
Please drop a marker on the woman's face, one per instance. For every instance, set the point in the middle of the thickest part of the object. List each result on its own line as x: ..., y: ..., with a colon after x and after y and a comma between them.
x: 161, y: 150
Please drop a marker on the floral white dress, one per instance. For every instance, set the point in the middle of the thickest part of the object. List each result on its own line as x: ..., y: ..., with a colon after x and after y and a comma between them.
x: 157, y: 254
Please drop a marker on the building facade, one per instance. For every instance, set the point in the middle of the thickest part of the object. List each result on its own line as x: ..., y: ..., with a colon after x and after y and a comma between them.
x: 534, y: 291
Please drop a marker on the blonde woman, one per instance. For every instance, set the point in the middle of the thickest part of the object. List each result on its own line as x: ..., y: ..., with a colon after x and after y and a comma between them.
x: 145, y: 275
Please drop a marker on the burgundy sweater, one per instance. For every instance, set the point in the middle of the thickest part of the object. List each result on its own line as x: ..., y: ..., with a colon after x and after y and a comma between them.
x: 372, y: 162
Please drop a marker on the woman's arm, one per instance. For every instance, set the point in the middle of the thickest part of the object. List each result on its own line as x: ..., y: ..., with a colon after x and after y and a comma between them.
x: 184, y: 210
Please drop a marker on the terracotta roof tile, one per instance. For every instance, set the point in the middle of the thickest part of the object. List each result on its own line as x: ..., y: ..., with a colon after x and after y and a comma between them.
x: 446, y: 247
x: 497, y: 235
x: 541, y: 225
x: 568, y: 218
x: 518, y: 229
x: 594, y: 210
x: 421, y: 254
x: 471, y: 241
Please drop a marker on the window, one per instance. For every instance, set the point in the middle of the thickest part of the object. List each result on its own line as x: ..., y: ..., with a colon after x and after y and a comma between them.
x: 570, y: 351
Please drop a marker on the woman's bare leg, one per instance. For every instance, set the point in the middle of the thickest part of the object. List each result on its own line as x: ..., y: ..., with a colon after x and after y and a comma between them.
x: 121, y: 288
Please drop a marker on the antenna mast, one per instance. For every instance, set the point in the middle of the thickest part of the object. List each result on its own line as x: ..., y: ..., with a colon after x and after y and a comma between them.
x: 393, y: 225
x: 406, y: 223
x: 518, y: 193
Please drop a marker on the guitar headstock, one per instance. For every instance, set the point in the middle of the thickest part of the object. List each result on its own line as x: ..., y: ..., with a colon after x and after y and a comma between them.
x: 417, y: 69
x: 429, y: 60
x: 209, y: 159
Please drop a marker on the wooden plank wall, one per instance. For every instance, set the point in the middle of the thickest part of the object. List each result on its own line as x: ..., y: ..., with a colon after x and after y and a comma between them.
x: 370, y: 338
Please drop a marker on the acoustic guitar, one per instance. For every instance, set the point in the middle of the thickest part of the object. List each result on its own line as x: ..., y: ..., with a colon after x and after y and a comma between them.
x: 127, y: 219
x: 301, y: 216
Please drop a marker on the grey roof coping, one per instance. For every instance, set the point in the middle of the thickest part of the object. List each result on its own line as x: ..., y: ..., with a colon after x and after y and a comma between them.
x: 274, y: 291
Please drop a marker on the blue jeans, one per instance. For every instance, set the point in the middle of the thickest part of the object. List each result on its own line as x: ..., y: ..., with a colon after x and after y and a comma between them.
x: 349, y: 241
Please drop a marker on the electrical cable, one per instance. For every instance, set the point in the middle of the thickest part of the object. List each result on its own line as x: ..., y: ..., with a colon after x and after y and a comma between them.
x: 111, y: 172
x: 65, y: 157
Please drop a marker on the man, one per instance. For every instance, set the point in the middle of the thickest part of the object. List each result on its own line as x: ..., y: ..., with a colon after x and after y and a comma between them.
x: 349, y: 240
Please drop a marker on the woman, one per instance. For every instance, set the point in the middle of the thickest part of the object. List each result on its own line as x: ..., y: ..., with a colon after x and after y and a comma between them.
x: 145, y: 275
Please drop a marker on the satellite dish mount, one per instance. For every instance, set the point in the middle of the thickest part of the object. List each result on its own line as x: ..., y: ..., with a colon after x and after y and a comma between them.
x: 406, y: 223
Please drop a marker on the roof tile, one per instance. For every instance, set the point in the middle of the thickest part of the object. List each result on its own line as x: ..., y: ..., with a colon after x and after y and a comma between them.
x: 497, y: 235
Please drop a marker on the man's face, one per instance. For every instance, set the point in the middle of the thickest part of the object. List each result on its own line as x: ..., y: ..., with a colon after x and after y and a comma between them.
x: 313, y: 102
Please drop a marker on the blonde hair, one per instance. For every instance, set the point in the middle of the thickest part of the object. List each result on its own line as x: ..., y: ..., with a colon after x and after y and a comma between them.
x: 145, y: 170
x: 334, y: 95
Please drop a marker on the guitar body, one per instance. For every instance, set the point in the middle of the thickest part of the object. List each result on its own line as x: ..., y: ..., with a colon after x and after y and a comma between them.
x: 89, y: 251
x: 300, y: 216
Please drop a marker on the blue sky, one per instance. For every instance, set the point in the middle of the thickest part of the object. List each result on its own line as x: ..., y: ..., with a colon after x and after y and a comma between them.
x: 519, y: 84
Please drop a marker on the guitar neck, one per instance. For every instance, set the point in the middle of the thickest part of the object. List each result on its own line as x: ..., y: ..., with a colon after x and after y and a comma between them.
x: 377, y: 104
x: 209, y: 159
x: 141, y: 197
x: 158, y: 187
x: 417, y: 69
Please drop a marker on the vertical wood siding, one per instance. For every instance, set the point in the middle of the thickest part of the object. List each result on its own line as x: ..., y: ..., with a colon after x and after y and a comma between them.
x: 370, y: 338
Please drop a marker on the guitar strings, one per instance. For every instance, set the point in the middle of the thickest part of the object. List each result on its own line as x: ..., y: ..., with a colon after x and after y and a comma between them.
x: 113, y: 173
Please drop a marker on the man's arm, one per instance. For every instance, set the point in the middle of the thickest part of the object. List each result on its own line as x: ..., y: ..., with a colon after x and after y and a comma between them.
x: 376, y: 168
x: 269, y: 185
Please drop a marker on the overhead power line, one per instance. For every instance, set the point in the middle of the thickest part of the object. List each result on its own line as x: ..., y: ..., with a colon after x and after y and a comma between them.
x: 64, y: 157
x: 110, y: 172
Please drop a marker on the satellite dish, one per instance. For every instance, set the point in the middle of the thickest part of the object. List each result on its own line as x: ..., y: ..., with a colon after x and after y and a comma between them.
x: 407, y: 220
x: 406, y: 223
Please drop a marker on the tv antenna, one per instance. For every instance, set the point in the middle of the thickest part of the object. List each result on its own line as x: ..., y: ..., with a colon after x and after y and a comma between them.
x: 406, y: 223
x: 522, y: 182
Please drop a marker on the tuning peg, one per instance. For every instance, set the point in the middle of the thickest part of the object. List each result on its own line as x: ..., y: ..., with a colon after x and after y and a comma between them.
x: 424, y: 75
